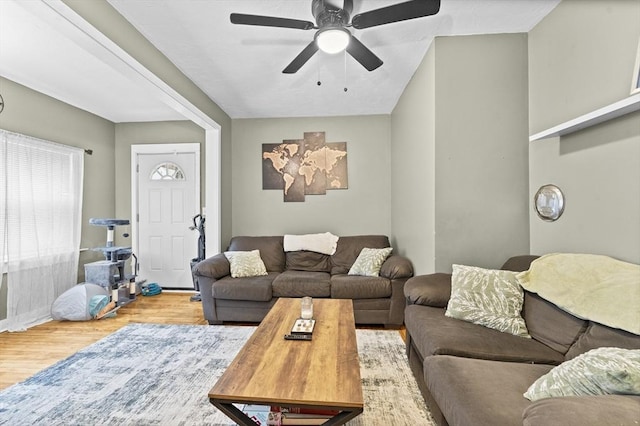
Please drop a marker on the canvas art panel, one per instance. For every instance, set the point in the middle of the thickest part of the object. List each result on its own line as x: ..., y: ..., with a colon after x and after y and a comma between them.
x: 308, y: 166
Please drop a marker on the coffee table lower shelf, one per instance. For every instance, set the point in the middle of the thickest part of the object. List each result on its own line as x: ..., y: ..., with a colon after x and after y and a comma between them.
x: 235, y: 414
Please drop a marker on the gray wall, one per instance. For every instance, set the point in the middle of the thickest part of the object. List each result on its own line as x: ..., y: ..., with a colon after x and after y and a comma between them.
x: 581, y: 58
x: 361, y: 209
x: 34, y: 114
x: 481, y: 150
x: 465, y: 115
x: 128, y: 134
x: 413, y: 168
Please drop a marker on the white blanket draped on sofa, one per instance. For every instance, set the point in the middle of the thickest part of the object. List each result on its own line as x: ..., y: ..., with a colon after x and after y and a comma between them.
x: 593, y: 287
x: 325, y: 243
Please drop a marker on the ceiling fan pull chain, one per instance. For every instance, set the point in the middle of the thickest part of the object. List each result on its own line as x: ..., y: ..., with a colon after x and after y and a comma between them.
x: 345, y: 71
x: 319, y: 82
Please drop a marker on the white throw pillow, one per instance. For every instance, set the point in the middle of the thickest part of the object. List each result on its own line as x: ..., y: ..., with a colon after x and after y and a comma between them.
x: 370, y: 261
x: 245, y: 263
x: 487, y: 297
x: 601, y: 371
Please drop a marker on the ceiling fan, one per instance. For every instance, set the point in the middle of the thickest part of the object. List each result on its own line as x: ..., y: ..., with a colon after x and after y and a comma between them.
x: 332, y: 23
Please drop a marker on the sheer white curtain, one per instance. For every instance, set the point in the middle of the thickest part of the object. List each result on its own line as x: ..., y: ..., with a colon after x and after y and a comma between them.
x: 40, y: 222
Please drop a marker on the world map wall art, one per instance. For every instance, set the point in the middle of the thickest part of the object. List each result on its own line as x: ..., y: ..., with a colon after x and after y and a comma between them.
x: 308, y: 166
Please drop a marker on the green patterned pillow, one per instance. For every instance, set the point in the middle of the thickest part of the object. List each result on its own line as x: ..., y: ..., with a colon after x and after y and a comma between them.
x: 370, y: 261
x: 487, y: 297
x: 601, y: 371
x: 245, y: 263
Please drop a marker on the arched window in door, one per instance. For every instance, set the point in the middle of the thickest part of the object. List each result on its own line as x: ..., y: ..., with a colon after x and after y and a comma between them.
x: 167, y: 171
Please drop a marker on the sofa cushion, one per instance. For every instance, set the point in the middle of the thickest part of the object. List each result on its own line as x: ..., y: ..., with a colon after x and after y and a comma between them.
x: 245, y: 263
x: 583, y: 411
x: 369, y: 261
x: 302, y: 283
x: 488, y: 297
x: 479, y: 392
x: 601, y: 371
x: 598, y: 335
x: 433, y: 333
x: 271, y: 250
x: 549, y: 324
x: 308, y: 261
x: 350, y: 247
x: 357, y: 287
x: 254, y: 288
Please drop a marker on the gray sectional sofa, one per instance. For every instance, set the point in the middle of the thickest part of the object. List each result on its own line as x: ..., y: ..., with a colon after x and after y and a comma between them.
x: 471, y: 375
x: 376, y: 300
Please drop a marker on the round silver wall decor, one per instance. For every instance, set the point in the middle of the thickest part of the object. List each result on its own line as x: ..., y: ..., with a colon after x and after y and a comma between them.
x: 549, y: 202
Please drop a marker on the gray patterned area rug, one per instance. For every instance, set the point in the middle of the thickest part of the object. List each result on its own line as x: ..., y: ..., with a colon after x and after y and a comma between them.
x: 149, y: 374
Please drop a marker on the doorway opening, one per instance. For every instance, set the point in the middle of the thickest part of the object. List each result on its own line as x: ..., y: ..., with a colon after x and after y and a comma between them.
x: 165, y: 197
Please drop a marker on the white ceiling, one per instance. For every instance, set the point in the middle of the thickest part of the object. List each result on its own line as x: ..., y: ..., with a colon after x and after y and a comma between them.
x: 42, y: 50
x: 239, y: 67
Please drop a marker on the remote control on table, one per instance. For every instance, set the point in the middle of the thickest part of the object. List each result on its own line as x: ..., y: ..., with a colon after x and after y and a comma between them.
x: 297, y: 337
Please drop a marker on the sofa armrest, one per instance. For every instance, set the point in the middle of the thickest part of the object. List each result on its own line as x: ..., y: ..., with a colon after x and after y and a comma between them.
x: 214, y: 267
x: 429, y: 290
x: 519, y: 263
x: 396, y: 267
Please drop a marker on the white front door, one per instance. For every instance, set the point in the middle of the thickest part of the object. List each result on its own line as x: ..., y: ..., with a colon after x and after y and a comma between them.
x: 168, y: 196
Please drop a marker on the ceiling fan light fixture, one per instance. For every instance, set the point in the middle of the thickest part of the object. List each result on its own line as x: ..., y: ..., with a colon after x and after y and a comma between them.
x: 333, y: 40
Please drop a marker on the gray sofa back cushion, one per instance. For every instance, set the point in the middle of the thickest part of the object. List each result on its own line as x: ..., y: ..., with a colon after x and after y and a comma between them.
x: 302, y: 283
x: 271, y: 250
x: 354, y: 287
x: 350, y: 247
x: 549, y: 324
x: 307, y: 261
x: 598, y: 336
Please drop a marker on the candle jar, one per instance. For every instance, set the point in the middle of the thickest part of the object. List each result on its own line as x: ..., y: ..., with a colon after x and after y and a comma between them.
x: 306, y: 307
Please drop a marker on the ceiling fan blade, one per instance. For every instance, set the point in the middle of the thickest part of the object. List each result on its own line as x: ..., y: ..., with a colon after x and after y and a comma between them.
x: 363, y: 55
x: 270, y: 21
x: 397, y: 12
x: 302, y: 58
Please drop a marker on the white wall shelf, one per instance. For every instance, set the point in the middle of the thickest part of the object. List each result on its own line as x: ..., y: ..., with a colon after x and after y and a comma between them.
x: 609, y: 112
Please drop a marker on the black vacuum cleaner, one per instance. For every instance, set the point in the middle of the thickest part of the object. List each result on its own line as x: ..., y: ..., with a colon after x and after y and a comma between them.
x: 198, y: 225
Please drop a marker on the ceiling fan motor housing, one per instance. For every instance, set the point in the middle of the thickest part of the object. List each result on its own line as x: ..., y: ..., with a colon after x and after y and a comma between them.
x: 328, y: 16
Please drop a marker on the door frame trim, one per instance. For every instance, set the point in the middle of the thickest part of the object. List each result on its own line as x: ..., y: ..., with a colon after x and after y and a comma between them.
x: 160, y: 148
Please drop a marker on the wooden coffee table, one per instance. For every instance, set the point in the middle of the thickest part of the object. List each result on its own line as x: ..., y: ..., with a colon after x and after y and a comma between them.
x: 323, y: 373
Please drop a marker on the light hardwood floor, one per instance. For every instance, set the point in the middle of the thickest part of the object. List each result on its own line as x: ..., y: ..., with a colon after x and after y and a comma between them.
x: 23, y: 354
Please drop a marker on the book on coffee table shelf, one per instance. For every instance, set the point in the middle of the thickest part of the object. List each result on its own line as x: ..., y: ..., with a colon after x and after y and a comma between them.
x: 300, y: 410
x: 284, y: 418
x: 299, y: 416
x: 303, y: 326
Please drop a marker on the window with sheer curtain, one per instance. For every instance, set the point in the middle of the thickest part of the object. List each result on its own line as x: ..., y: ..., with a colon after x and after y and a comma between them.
x: 40, y: 222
